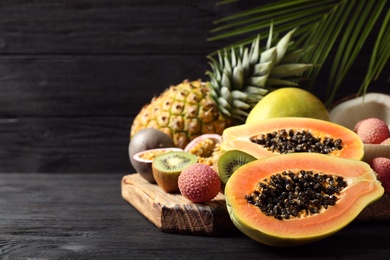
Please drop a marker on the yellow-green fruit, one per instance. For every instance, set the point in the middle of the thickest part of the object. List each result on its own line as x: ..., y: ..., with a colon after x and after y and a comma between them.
x: 288, y: 102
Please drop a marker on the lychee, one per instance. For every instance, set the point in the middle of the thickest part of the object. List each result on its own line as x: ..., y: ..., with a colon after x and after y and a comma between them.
x: 372, y: 130
x: 356, y: 127
x: 199, y: 183
x: 381, y: 166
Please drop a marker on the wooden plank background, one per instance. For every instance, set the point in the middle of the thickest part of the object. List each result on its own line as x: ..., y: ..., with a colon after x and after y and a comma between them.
x: 74, y: 73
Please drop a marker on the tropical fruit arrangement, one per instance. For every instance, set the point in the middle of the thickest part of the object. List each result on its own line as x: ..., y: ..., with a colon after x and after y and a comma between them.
x: 238, y: 80
x: 290, y: 176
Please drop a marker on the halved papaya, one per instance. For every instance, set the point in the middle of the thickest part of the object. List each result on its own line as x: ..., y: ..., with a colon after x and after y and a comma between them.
x: 298, y: 198
x: 293, y: 134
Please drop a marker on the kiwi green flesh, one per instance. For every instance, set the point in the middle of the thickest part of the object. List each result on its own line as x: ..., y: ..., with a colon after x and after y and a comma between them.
x: 230, y: 161
x: 173, y: 162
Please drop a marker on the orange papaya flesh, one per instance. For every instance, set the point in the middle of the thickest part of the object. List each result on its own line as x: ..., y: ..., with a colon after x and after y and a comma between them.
x: 242, y: 137
x: 362, y: 189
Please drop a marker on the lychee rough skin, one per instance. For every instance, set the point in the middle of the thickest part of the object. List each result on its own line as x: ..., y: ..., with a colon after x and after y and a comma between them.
x: 357, y: 125
x: 381, y: 166
x: 199, y: 183
x: 372, y: 131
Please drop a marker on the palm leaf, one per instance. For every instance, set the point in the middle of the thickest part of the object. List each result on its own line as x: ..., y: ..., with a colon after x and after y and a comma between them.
x: 380, y: 56
x: 340, y: 25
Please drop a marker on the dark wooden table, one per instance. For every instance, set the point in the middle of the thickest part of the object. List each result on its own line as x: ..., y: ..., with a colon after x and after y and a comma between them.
x: 83, y: 216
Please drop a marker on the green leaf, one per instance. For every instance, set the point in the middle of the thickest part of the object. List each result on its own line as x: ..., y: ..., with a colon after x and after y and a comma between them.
x: 327, y: 26
x: 380, y: 56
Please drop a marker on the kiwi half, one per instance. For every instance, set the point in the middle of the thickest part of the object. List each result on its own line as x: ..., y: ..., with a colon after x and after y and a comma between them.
x: 168, y: 166
x: 230, y: 161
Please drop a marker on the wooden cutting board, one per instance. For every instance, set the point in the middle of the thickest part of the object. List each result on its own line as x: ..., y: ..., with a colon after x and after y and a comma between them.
x: 173, y: 213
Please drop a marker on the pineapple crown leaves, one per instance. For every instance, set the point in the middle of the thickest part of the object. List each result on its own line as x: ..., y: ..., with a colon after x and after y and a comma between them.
x: 241, y: 76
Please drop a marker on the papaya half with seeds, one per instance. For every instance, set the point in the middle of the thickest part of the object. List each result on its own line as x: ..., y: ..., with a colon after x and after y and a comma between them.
x: 277, y: 136
x: 299, y: 198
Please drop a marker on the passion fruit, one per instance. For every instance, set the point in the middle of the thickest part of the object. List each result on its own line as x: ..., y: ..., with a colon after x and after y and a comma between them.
x: 146, y: 139
x: 144, y: 159
x: 206, y: 148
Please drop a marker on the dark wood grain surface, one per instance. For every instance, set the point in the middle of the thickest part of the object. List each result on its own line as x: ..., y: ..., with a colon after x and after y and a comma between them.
x: 74, y: 73
x: 83, y: 216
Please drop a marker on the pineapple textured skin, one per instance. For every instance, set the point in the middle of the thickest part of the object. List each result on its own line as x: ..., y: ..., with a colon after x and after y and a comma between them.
x: 184, y: 112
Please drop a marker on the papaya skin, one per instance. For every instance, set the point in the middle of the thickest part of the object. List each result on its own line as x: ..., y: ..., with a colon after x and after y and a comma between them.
x: 270, y: 239
x: 363, y: 189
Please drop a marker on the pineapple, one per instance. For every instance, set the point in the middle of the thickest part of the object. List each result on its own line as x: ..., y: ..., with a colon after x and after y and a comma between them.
x: 239, y: 78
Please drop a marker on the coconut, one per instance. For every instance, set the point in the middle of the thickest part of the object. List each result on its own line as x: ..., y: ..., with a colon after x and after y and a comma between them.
x: 348, y: 113
x: 351, y: 111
